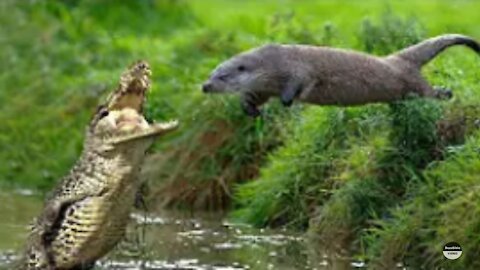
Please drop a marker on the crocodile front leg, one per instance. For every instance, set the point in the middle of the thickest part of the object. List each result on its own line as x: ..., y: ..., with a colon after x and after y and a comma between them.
x: 53, y: 216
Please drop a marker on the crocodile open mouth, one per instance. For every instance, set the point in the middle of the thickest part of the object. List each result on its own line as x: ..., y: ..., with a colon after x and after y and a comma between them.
x: 125, y: 107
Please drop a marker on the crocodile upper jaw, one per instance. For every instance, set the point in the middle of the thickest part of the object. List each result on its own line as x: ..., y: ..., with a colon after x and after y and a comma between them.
x: 123, y: 109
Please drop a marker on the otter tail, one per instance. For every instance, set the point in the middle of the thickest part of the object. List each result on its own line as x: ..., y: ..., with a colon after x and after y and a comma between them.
x: 421, y: 53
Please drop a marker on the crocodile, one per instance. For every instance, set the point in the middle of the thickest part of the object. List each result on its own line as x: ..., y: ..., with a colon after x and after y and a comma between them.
x: 85, y: 216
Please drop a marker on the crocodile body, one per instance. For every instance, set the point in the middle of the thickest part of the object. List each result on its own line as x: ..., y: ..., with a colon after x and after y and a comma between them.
x: 86, y: 215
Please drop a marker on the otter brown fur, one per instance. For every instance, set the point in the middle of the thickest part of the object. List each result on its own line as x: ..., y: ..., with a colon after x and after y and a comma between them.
x: 329, y: 76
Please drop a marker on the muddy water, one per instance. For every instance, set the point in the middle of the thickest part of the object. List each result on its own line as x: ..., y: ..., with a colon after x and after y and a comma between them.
x: 176, y: 240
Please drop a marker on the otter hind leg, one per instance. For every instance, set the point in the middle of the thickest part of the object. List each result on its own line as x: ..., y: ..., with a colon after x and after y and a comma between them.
x: 442, y: 93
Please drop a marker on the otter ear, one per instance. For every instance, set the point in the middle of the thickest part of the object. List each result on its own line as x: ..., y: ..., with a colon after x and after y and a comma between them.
x: 291, y: 90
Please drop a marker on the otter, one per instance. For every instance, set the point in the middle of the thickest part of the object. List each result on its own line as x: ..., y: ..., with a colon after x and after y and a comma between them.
x: 330, y: 76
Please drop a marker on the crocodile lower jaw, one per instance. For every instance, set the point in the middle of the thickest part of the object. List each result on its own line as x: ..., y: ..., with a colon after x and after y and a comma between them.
x: 154, y: 130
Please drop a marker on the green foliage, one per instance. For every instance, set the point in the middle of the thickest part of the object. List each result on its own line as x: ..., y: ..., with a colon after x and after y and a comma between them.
x: 312, y: 165
x: 335, y: 147
x: 443, y: 209
x: 392, y: 33
x: 413, y: 139
x: 411, y: 144
x: 291, y: 28
x: 222, y: 146
x: 58, y: 60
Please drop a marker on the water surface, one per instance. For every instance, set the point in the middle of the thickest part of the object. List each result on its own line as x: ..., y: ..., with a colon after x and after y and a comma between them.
x: 176, y: 240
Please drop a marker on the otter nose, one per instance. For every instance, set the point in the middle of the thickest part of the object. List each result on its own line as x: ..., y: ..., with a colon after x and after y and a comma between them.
x: 207, y: 87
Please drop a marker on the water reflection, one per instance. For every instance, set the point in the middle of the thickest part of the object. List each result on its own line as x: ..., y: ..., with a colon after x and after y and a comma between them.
x: 203, y: 241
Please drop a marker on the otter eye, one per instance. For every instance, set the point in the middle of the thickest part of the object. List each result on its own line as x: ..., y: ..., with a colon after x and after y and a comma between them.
x: 241, y: 68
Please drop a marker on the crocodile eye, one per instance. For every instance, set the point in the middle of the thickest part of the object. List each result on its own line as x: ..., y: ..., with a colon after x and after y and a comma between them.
x: 104, y: 113
x: 241, y: 68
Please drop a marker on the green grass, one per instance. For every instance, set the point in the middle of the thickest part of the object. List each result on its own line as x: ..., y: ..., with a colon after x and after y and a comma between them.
x: 389, y: 183
x: 315, y: 161
x: 442, y: 208
x: 219, y: 147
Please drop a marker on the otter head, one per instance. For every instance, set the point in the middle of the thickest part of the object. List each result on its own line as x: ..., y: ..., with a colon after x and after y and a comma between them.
x: 119, y: 122
x: 250, y: 71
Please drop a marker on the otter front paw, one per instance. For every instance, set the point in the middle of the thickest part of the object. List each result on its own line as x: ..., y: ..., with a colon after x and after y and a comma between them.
x: 286, y: 102
x: 291, y: 90
x: 251, y: 110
